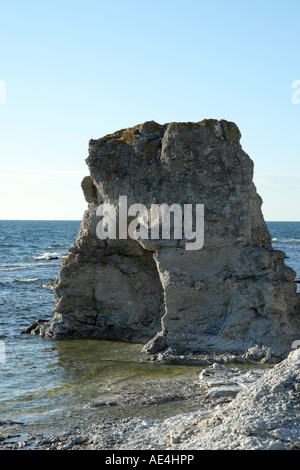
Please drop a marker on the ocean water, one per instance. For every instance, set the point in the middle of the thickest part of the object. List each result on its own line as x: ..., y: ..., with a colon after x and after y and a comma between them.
x: 47, y: 384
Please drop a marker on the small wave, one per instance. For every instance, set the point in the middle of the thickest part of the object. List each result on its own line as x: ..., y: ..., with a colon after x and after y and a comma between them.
x: 27, y: 280
x: 291, y: 241
x: 16, y: 267
x: 48, y: 256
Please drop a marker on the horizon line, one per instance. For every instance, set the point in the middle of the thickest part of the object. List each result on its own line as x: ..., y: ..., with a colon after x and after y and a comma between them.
x: 79, y: 220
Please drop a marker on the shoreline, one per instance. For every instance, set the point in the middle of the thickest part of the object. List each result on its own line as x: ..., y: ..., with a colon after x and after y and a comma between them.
x: 142, y: 399
x: 223, y: 399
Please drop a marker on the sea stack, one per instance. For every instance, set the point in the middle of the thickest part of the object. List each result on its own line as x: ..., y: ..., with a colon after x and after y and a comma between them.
x: 233, y: 295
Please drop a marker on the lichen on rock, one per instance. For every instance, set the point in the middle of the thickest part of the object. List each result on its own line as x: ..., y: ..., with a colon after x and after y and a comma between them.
x: 233, y: 296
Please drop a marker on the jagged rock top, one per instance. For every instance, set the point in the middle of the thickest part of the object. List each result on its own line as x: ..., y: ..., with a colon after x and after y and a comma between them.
x: 218, y: 129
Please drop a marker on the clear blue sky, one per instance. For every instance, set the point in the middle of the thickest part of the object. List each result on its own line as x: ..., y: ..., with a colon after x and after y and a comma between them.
x: 76, y: 70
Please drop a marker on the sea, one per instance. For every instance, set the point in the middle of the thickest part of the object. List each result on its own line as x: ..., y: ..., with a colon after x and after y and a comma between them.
x: 47, y: 385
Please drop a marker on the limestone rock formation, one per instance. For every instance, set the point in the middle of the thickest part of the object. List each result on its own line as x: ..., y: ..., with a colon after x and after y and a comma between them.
x: 234, y: 295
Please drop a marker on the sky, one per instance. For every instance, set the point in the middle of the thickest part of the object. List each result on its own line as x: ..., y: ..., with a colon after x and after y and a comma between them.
x: 71, y: 71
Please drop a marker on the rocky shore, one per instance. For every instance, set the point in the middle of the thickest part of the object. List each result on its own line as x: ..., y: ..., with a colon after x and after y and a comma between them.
x: 226, y: 409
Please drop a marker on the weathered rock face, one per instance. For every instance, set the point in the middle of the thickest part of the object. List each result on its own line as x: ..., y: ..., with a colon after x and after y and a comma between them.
x: 235, y: 295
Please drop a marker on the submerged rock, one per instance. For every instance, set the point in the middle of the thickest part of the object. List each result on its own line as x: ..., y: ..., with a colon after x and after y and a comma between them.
x: 235, y: 295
